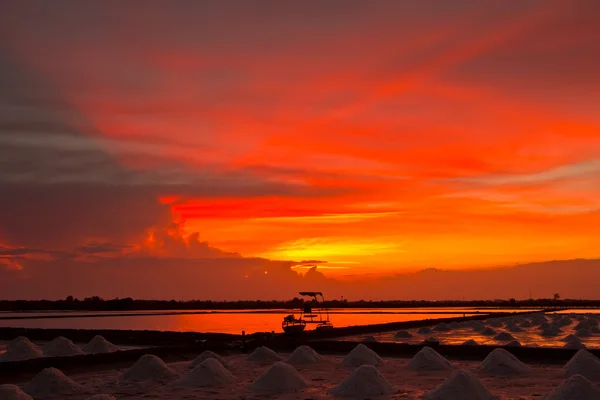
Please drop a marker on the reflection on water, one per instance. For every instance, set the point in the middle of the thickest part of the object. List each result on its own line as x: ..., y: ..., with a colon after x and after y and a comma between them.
x: 211, y: 322
x: 530, y: 336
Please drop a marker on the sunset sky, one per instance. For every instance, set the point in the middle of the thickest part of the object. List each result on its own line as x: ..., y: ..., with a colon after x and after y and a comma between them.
x: 383, y: 137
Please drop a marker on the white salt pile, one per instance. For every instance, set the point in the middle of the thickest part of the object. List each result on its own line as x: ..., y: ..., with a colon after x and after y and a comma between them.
x: 461, y: 385
x: 583, y: 333
x: 99, y: 345
x: 550, y: 331
x: 20, y: 349
x: 571, y: 338
x: 101, y: 397
x: 488, y: 332
x: 442, y: 327
x: 575, y: 345
x: 61, y: 347
x: 362, y: 355
x: 583, y: 325
x: 501, y: 362
x: 13, y: 392
x: 364, y: 382
x: 209, y: 373
x: 576, y: 387
x: 205, y: 356
x: 470, y: 342
x: 428, y: 359
x: 538, y: 319
x: 369, y: 339
x: 566, y: 321
x: 514, y: 343
x: 303, y: 355
x: 149, y: 368
x: 504, y: 337
x: 264, y: 354
x: 280, y: 377
x: 424, y: 331
x: 583, y: 363
x: 402, y: 335
x: 52, y: 382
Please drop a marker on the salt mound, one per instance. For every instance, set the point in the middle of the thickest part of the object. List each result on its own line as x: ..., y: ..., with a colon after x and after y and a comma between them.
x: 149, y: 368
x: 514, y: 328
x: 593, y: 321
x: 583, y: 325
x: 13, y: 392
x: 303, y: 355
x: 583, y: 363
x: 428, y: 359
x: 571, y: 338
x: 454, y: 325
x: 504, y: 337
x: 442, y: 327
x: 61, y: 347
x: 205, y: 356
x: 365, y: 381
x: 461, y: 385
x: 100, y: 345
x: 369, y: 339
x: 494, y: 323
x: 583, y: 333
x: 514, y: 343
x: 574, y: 345
x: 594, y: 329
x: 280, y: 377
x: 52, y: 382
x: 576, y: 387
x: 538, y: 319
x: 470, y: 342
x: 402, y: 334
x: 550, y: 331
x: 209, y: 373
x: 362, y: 355
x: 566, y: 321
x: 501, y: 362
x: 424, y: 331
x: 264, y: 354
x: 20, y: 349
x: 101, y: 397
x: 488, y: 332
x: 525, y: 324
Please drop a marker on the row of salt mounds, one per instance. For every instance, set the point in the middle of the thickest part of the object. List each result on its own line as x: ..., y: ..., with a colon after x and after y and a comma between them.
x: 514, y: 343
x: 205, y: 356
x: 428, y: 359
x: 280, y: 377
x: 365, y: 381
x: 583, y: 363
x: 101, y: 397
x: 50, y: 383
x: 149, y: 368
x: 442, y: 327
x: 100, y: 345
x: 461, y: 385
x: 501, y: 362
x: 264, y: 354
x: 61, y: 347
x: 303, y: 355
x: 362, y: 355
x: 424, y: 330
x: 13, y: 392
x: 209, y: 373
x: 20, y: 349
x: 576, y: 387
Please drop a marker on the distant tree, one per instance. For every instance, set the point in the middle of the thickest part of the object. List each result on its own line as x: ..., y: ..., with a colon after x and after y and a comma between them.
x: 556, y: 296
x: 512, y: 301
x: 69, y: 299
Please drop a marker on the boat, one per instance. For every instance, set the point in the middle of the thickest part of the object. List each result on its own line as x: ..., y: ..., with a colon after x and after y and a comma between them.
x: 309, y: 314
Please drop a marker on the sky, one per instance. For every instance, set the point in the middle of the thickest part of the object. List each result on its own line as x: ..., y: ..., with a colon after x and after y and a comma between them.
x: 225, y: 141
